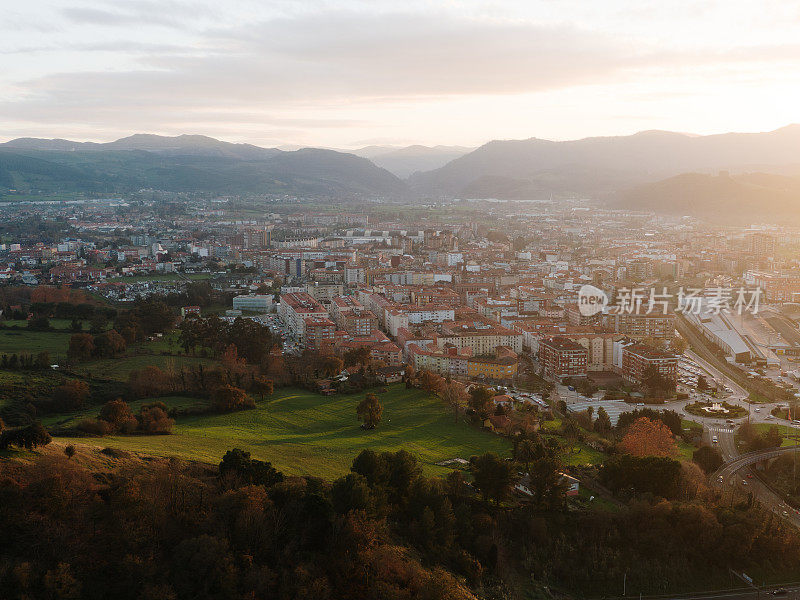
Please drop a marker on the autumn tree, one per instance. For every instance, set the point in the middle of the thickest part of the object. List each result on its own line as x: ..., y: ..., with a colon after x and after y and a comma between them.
x: 150, y: 381
x: 109, y: 344
x: 71, y: 395
x: 117, y: 414
x: 648, y: 437
x: 479, y: 398
x: 29, y: 437
x: 153, y: 418
x: 227, y: 398
x: 454, y: 394
x: 429, y: 382
x: 263, y: 386
x: 69, y: 451
x: 331, y: 365
x: 369, y: 410
x: 356, y: 356
x: 233, y: 364
x: 81, y: 347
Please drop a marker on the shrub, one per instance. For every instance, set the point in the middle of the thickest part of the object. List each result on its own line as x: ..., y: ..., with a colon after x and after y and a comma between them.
x: 96, y: 427
x: 227, y: 398
x: 708, y: 458
x: 71, y: 395
x: 153, y: 419
x: 28, y: 437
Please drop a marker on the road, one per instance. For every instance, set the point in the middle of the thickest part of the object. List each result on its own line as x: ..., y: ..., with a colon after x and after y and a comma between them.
x: 743, y: 593
x: 737, y: 477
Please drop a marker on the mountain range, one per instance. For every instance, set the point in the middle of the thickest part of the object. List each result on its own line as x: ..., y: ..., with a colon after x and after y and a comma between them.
x: 188, y: 163
x: 524, y: 169
x: 405, y: 161
x: 737, y: 175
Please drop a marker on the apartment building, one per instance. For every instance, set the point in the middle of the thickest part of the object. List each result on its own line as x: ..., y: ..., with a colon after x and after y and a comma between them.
x: 350, y: 316
x: 637, y: 358
x: 561, y: 357
x: 295, y: 307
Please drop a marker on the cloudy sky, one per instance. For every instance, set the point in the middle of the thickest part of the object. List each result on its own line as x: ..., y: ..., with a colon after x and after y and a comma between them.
x: 349, y: 73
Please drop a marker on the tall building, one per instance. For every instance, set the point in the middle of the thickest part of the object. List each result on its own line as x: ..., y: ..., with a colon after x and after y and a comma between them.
x: 561, y: 357
x: 761, y: 245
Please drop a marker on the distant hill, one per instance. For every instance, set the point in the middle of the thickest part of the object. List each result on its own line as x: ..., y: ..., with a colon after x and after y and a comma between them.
x: 727, y: 199
x: 411, y: 159
x: 520, y: 168
x: 187, y: 163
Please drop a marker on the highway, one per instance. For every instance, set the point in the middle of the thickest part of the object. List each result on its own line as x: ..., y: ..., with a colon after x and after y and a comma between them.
x: 776, y: 592
x: 736, y: 477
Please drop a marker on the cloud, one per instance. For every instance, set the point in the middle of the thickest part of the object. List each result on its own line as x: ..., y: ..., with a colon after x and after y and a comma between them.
x: 340, y: 56
x: 315, y: 62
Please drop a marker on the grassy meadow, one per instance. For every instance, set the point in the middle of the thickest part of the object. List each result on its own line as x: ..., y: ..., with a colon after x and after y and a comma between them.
x: 303, y: 433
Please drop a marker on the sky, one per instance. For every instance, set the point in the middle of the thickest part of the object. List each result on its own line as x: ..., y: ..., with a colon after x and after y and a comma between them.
x: 351, y: 73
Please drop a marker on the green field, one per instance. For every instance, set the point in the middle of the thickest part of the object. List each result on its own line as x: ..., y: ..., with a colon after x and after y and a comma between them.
x: 121, y: 367
x: 783, y: 429
x: 307, y: 434
x: 60, y: 324
x: 73, y: 419
x: 161, y: 277
x: 26, y: 341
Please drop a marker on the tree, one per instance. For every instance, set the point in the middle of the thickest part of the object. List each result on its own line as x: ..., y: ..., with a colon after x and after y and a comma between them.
x: 81, y: 347
x: 71, y: 395
x: 479, y: 398
x: 109, y: 344
x: 39, y: 323
x: 153, y: 419
x: 237, y: 464
x: 708, y: 458
x: 648, y: 437
x: 571, y: 432
x: 234, y: 365
x: 29, y: 437
x: 227, y: 398
x: 154, y: 316
x: 702, y: 384
x: 263, y: 386
x: 42, y: 360
x: 352, y: 492
x: 429, y: 382
x: 356, y: 356
x: 454, y: 394
x: 491, y: 475
x: 369, y: 411
x: 69, y: 451
x: 654, y: 474
x: 527, y: 450
x: 602, y: 425
x: 546, y: 483
x: 117, y: 414
x: 656, y: 382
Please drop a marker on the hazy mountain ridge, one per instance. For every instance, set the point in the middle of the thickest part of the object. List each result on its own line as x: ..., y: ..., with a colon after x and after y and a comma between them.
x: 603, y: 164
x: 728, y: 199
x: 187, y: 163
x: 405, y: 161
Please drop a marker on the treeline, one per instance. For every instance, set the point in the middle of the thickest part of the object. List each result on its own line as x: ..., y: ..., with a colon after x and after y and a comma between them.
x: 245, y: 530
x: 212, y: 336
x: 117, y: 417
x: 25, y: 361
